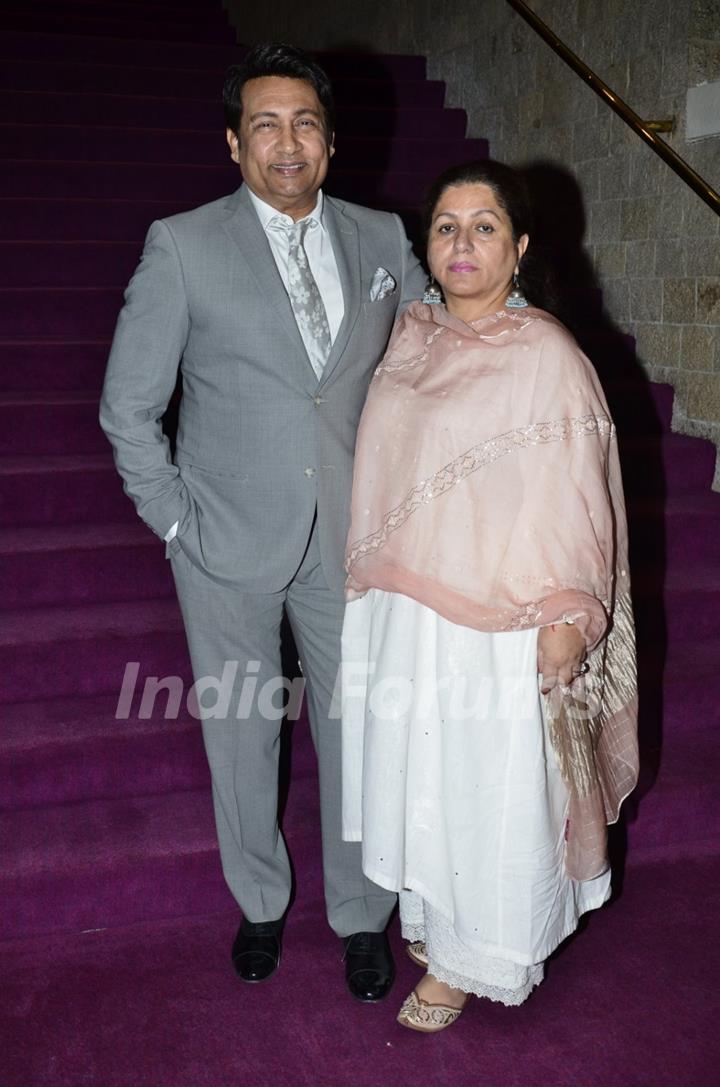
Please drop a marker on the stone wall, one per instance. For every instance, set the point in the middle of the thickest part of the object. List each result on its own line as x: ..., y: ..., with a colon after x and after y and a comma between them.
x: 652, y: 244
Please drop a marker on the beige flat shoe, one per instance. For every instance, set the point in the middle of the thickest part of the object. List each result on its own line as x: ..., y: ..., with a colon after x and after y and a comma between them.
x: 418, y: 952
x: 417, y: 1014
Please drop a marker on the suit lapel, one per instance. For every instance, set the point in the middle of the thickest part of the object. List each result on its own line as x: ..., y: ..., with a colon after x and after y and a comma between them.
x: 345, y: 240
x: 243, y: 226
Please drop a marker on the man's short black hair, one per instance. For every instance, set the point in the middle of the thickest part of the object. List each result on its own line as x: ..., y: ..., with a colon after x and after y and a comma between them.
x: 278, y: 59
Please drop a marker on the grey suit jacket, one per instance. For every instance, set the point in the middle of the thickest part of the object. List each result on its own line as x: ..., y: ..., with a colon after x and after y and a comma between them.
x: 261, y: 443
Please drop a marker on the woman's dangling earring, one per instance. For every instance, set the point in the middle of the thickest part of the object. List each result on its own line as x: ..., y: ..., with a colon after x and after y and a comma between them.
x: 433, y: 294
x: 516, y: 299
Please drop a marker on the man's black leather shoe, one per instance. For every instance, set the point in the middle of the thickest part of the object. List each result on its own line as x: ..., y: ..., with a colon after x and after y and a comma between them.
x: 256, y: 951
x: 369, y: 966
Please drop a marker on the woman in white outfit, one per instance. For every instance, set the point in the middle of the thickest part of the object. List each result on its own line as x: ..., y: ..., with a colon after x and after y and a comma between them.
x: 489, y: 695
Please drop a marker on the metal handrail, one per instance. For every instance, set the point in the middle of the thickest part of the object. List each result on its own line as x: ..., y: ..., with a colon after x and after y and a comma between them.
x: 642, y: 128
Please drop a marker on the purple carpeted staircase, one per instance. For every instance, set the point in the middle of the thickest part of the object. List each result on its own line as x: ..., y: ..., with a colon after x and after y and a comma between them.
x: 110, y: 118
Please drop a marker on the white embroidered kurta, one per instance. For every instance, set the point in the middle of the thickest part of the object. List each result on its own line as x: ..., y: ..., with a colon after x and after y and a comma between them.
x: 451, y: 783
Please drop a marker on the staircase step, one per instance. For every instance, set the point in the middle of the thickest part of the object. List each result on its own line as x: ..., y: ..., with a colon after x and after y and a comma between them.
x: 676, y: 812
x: 674, y: 606
x: 160, y: 30
x: 686, y: 703
x: 96, y: 144
x: 200, y: 183
x: 59, y: 313
x: 694, y: 613
x: 32, y: 367
x: 154, y: 22
x: 71, y: 750
x: 68, y: 219
x: 67, y: 264
x: 683, y: 690
x: 118, y: 181
x: 102, y: 863
x: 50, y: 423
x: 152, y: 9
x: 135, y: 111
x: 679, y: 685
x: 695, y: 576
x: 677, y: 530
x: 107, y: 862
x: 612, y: 354
x: 61, y: 490
x: 56, y: 74
x: 170, y: 85
x: 666, y: 463
x: 136, y: 6
x: 62, y: 652
x: 39, y: 46
x: 75, y: 749
x: 691, y: 658
x: 75, y: 564
x: 640, y: 406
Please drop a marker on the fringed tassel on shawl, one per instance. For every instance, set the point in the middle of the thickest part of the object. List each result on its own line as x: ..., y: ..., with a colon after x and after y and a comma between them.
x: 595, y: 748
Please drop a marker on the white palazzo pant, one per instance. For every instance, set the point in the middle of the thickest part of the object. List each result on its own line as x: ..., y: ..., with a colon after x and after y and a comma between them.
x: 451, y: 784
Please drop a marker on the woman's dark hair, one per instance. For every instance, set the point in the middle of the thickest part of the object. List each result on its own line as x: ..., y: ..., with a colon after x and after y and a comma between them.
x: 276, y: 58
x: 511, y: 194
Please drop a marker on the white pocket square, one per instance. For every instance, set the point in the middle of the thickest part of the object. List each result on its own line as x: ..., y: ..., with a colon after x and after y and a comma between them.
x: 382, y: 285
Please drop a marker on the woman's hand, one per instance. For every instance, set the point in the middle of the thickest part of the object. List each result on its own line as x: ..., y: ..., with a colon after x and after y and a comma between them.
x: 560, y: 651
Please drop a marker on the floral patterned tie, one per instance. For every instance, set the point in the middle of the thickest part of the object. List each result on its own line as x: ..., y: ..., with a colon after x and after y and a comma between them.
x: 306, y: 300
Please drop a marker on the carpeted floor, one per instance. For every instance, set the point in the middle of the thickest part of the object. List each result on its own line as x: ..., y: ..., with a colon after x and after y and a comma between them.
x: 630, y: 1001
x: 110, y: 117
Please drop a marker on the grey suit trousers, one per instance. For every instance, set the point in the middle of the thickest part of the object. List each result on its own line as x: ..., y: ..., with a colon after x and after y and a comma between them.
x: 225, y: 624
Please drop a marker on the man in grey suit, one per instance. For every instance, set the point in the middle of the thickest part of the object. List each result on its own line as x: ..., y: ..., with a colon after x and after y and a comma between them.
x: 276, y: 303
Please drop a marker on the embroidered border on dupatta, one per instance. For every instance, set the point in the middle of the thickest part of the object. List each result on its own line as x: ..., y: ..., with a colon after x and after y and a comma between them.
x: 478, y: 456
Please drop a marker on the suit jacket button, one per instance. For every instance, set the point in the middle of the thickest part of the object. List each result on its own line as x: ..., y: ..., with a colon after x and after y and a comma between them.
x: 309, y: 472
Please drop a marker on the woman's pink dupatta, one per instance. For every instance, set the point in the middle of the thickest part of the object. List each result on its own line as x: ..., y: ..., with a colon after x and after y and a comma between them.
x: 487, y: 487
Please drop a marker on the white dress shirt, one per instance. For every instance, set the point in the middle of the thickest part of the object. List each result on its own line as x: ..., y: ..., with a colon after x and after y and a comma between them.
x: 319, y: 253
x: 321, y: 259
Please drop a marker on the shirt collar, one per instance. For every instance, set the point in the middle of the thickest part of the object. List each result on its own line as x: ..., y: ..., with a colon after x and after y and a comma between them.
x: 265, y: 212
